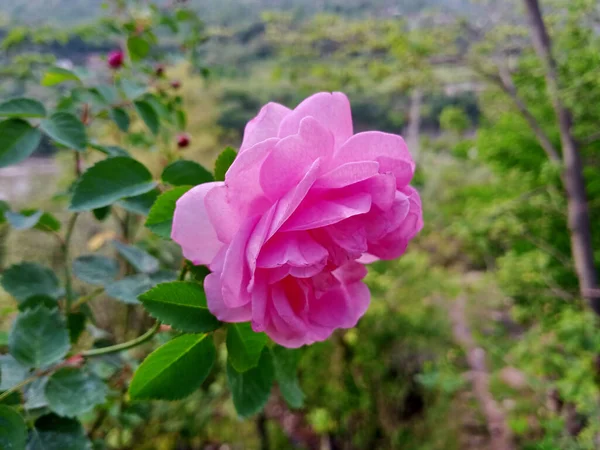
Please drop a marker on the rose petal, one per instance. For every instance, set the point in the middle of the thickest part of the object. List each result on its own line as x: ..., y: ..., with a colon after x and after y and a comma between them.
x: 265, y: 125
x: 214, y: 300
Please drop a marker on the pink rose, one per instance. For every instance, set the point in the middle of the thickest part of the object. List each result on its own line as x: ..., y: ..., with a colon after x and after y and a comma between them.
x: 304, y: 204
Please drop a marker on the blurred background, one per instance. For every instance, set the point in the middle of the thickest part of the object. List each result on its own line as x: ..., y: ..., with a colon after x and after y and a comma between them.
x: 478, y: 337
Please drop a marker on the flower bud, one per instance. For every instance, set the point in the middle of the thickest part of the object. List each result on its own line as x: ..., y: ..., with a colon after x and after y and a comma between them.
x: 115, y: 59
x: 183, y: 141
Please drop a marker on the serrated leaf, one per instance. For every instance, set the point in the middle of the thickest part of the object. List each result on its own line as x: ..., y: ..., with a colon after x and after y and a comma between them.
x: 244, y: 346
x: 96, y: 269
x: 52, y: 432
x: 18, y: 140
x: 27, y: 279
x: 182, y: 305
x: 174, y: 370
x: 22, y: 107
x: 148, y: 115
x: 71, y: 392
x: 121, y: 118
x: 140, y: 204
x: 285, y: 362
x: 141, y: 260
x: 251, y: 389
x: 138, y: 48
x: 12, y: 372
x: 13, y: 431
x: 110, y: 180
x: 160, y: 217
x: 39, y: 337
x: 66, y: 129
x: 186, y: 173
x: 57, y: 75
x: 223, y: 162
x: 38, y: 300
x: 129, y: 288
x: 111, y: 150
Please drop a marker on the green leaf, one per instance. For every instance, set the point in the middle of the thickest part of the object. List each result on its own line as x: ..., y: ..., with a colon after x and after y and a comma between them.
x: 251, y: 389
x: 182, y: 305
x: 160, y: 217
x: 18, y: 140
x: 148, y: 115
x: 109, y: 93
x: 140, y: 204
x: 66, y: 129
x: 22, y: 107
x: 76, y: 325
x: 12, y: 372
x: 23, y: 221
x: 27, y: 279
x: 138, y: 48
x: 38, y: 300
x: 34, y: 394
x: 174, y: 370
x: 129, y: 288
x: 180, y: 119
x: 186, y: 173
x: 13, y: 432
x: 224, y: 160
x: 96, y: 269
x: 102, y: 213
x: 285, y: 361
x: 39, y: 337
x: 244, y: 346
x: 46, y: 223
x: 132, y: 89
x: 110, y: 180
x: 52, y: 432
x: 198, y: 273
x: 111, y: 150
x: 141, y: 260
x: 72, y: 392
x: 121, y: 118
x: 57, y: 75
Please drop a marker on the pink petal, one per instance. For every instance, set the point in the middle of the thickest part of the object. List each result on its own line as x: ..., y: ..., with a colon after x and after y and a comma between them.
x: 287, y: 164
x: 265, y: 125
x: 332, y: 110
x: 294, y: 249
x: 214, y: 300
x: 347, y: 174
x: 389, y: 150
x: 192, y: 228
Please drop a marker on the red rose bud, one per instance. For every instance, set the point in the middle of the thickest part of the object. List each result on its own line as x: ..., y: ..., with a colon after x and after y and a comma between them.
x: 115, y: 59
x: 160, y: 70
x: 183, y: 141
x: 175, y: 84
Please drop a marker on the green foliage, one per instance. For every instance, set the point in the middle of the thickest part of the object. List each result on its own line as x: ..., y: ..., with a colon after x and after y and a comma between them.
x: 185, y: 173
x: 454, y: 119
x: 58, y: 75
x: 96, y: 269
x: 27, y: 279
x: 285, y: 362
x: 13, y: 431
x: 138, y: 48
x: 148, y: 115
x: 244, y: 346
x: 251, y: 389
x: 39, y: 337
x: 224, y: 160
x: 22, y: 107
x: 182, y: 305
x: 18, y: 140
x: 174, y: 370
x: 108, y: 181
x: 52, y: 432
x: 138, y: 258
x: 65, y: 129
x: 160, y: 217
x: 71, y: 392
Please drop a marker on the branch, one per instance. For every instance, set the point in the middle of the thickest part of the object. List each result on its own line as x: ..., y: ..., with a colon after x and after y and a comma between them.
x: 125, y: 345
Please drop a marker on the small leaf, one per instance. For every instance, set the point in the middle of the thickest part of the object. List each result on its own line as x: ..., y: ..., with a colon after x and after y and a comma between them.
x: 223, y: 162
x: 39, y: 337
x: 174, y: 370
x: 66, y: 129
x: 111, y: 150
x: 18, y: 140
x: 160, y: 217
x: 251, y: 389
x: 72, y: 392
x: 121, y: 118
x: 13, y: 432
x: 148, y: 115
x: 102, y: 213
x: 12, y: 372
x: 38, y: 300
x: 186, y: 173
x: 244, y: 346
x: 182, y: 305
x: 28, y: 279
x: 96, y: 269
x: 138, y: 48
x: 23, y: 221
x: 285, y: 361
x: 22, y: 107
x: 110, y: 180
x: 140, y: 204
x: 129, y: 288
x: 52, y: 432
x: 198, y: 273
x: 34, y: 394
x: 142, y: 261
x: 46, y: 223
x: 57, y: 75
